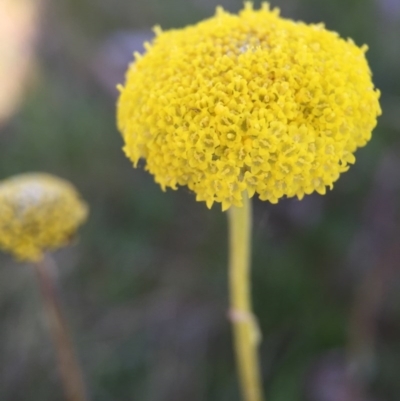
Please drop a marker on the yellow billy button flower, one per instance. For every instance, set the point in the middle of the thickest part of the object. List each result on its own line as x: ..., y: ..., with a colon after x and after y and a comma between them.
x: 250, y: 102
x: 38, y: 212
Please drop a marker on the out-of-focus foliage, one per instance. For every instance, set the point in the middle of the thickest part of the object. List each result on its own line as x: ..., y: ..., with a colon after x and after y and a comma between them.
x: 145, y: 286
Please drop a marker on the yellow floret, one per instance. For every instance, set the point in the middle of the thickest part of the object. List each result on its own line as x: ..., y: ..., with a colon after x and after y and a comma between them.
x: 250, y: 102
x: 38, y: 212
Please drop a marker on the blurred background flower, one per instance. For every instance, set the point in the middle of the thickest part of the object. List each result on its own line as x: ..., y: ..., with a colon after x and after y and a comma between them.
x: 146, y: 289
x: 18, y: 33
x: 38, y: 213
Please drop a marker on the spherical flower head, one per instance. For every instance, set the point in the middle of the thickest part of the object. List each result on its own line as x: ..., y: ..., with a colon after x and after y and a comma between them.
x: 248, y: 103
x: 38, y: 212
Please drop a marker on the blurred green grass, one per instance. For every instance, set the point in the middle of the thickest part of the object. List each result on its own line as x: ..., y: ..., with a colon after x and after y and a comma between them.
x: 145, y: 285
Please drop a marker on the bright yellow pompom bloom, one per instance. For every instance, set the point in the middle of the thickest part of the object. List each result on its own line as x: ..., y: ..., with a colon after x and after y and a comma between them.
x: 250, y: 102
x: 38, y: 212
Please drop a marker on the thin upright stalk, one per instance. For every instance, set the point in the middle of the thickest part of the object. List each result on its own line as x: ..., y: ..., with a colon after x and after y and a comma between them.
x: 246, y: 336
x: 70, y: 370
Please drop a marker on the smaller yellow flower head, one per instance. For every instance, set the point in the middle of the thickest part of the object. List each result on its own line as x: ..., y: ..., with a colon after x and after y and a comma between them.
x: 38, y: 212
x: 250, y: 102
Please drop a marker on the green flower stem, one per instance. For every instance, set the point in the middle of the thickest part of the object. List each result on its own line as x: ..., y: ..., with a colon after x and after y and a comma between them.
x: 70, y: 370
x: 246, y: 336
